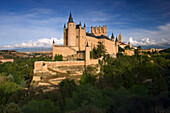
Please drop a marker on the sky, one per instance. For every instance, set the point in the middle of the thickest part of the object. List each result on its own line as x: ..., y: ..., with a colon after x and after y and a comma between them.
x: 35, y: 23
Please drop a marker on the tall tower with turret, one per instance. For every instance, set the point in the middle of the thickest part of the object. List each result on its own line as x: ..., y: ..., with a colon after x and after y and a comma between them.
x: 120, y: 38
x: 53, y: 48
x: 71, y: 31
x: 65, y: 36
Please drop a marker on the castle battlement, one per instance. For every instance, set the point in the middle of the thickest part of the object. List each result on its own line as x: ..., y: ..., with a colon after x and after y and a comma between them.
x: 98, y: 31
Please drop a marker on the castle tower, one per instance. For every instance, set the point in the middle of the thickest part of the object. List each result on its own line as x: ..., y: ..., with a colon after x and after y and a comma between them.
x: 53, y: 48
x: 71, y: 31
x: 87, y: 54
x: 116, y: 45
x: 120, y: 38
x: 65, y: 40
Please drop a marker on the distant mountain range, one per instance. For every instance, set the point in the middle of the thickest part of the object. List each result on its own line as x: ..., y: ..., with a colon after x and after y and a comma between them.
x: 157, y: 46
x: 37, y: 49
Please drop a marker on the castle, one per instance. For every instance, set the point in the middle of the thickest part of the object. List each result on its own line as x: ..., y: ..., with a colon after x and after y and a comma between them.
x: 77, y: 45
x: 76, y: 38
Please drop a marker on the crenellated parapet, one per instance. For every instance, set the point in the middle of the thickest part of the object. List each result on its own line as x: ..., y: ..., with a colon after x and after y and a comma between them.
x: 98, y: 31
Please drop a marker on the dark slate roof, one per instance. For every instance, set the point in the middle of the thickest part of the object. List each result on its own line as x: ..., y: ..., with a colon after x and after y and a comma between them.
x: 70, y: 18
x: 98, y: 37
x: 116, y: 39
x: 77, y: 26
x: 87, y: 45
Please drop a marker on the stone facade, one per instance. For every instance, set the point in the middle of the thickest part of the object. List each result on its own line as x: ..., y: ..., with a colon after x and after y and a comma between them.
x: 76, y: 38
x: 129, y: 52
x: 43, y: 66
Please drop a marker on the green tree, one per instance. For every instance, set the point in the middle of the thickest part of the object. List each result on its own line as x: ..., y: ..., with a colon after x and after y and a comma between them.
x: 12, y: 108
x: 139, y: 48
x: 121, y: 49
x: 58, y: 58
x: 99, y: 51
x: 7, y: 89
x: 87, y: 109
x: 127, y: 47
x: 89, y: 76
x: 44, y: 106
x: 67, y: 87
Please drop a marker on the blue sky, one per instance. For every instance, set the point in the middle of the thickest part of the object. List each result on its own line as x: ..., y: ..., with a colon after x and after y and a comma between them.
x: 38, y: 21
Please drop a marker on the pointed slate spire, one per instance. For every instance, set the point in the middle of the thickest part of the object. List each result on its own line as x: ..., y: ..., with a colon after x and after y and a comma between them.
x: 64, y: 25
x: 80, y: 23
x: 112, y: 37
x: 70, y: 18
x: 84, y: 25
x: 87, y: 45
x: 116, y: 39
x: 53, y: 41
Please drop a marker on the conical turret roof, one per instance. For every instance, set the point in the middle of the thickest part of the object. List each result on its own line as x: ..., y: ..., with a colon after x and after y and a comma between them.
x: 116, y: 39
x: 70, y: 18
x: 84, y: 25
x: 112, y: 37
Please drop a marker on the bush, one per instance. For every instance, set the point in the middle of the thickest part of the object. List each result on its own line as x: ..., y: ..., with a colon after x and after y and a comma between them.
x: 12, y: 108
x: 58, y: 58
x: 44, y: 106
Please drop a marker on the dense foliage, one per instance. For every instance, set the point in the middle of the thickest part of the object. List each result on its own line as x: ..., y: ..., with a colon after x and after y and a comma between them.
x: 127, y: 84
x: 58, y: 58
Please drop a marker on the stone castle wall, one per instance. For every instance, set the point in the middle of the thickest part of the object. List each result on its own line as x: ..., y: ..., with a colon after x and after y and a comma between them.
x: 42, y: 66
x: 64, y: 50
x: 129, y: 52
x: 93, y: 42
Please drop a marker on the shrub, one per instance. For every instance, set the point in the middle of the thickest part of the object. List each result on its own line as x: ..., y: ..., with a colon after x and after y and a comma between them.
x: 58, y: 58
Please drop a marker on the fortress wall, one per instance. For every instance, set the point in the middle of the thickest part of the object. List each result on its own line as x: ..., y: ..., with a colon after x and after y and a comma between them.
x: 93, y: 61
x: 92, y: 42
x: 129, y: 52
x: 42, y: 66
x: 75, y: 48
x: 38, y: 65
x: 108, y: 45
x: 63, y: 50
x: 63, y: 63
x: 81, y: 38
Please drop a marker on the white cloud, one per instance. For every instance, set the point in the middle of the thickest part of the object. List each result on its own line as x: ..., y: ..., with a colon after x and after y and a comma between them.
x: 163, y: 40
x: 44, y: 42
x: 143, y: 36
x: 143, y: 41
